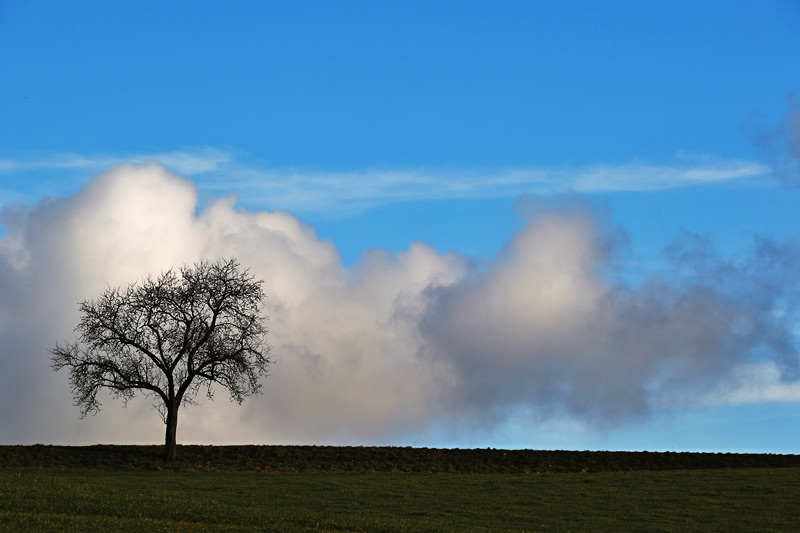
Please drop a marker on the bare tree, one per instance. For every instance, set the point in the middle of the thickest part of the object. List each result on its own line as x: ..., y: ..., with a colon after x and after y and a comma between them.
x: 168, y: 337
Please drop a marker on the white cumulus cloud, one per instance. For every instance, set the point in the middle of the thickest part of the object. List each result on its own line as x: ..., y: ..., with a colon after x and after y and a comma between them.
x: 395, y: 345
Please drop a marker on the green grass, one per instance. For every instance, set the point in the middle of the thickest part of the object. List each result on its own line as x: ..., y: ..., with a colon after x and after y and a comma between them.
x: 677, y: 500
x: 327, y: 488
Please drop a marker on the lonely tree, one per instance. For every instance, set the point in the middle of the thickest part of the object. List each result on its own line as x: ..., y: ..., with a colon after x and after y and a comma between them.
x: 169, y: 337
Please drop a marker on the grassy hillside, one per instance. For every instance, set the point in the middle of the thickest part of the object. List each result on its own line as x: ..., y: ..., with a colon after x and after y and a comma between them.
x: 374, y: 459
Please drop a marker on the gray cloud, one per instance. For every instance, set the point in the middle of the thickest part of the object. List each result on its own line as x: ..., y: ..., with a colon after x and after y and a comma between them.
x: 401, y: 342
x: 545, y: 327
x: 781, y: 144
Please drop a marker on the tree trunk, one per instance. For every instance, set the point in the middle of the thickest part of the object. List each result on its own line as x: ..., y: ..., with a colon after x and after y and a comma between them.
x: 171, y: 443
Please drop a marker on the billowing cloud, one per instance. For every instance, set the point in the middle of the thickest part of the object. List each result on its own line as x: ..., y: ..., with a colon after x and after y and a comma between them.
x: 545, y: 327
x: 401, y: 342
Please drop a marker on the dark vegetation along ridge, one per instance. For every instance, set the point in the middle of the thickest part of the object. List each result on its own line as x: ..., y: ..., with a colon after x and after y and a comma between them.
x: 374, y: 459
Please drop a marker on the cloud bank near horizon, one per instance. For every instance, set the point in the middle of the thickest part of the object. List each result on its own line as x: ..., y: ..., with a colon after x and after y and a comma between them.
x: 399, y: 343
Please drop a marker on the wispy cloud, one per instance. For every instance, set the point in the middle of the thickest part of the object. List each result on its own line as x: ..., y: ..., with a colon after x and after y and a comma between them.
x: 187, y: 162
x: 219, y: 172
x: 314, y: 191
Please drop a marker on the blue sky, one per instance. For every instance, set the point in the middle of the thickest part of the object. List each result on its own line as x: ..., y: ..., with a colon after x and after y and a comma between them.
x: 468, y: 126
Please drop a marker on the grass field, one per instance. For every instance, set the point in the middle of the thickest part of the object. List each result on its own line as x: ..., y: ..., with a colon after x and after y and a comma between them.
x: 698, y: 500
x: 108, y: 488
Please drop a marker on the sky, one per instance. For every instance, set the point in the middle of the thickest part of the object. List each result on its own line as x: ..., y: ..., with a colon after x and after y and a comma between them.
x: 546, y: 225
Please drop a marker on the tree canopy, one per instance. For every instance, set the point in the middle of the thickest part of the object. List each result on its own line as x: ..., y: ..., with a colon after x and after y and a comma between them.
x: 168, y: 337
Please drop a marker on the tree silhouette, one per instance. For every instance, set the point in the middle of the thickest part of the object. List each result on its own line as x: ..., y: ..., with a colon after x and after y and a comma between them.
x: 168, y: 337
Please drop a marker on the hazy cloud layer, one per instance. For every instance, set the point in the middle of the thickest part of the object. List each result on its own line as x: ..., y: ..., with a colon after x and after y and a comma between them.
x: 400, y: 342
x: 217, y: 172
